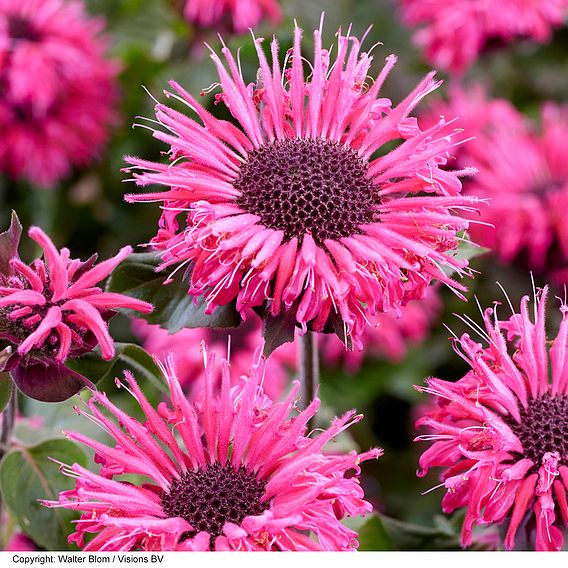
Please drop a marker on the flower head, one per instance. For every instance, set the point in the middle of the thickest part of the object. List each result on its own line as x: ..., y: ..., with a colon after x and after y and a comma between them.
x: 453, y: 33
x: 52, y: 310
x: 523, y: 174
x: 242, y: 343
x: 242, y: 14
x: 240, y: 474
x: 501, y: 431
x: 47, y: 130
x: 294, y: 210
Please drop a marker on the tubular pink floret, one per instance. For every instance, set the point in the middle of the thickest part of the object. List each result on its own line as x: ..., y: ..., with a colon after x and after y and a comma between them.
x: 289, y: 485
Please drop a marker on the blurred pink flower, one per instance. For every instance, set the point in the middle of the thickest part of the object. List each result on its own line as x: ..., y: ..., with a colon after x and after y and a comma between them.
x: 501, y: 431
x: 241, y: 475
x: 522, y: 173
x: 241, y: 14
x: 293, y: 210
x: 58, y: 90
x: 475, y: 111
x: 390, y: 338
x: 187, y: 359
x: 52, y: 310
x: 19, y: 542
x: 453, y: 33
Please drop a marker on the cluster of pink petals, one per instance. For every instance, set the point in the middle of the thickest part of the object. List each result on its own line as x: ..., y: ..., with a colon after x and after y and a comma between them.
x: 473, y: 429
x: 388, y: 340
x: 522, y: 173
x: 307, y: 491
x: 419, y: 209
x: 58, y: 89
x: 187, y: 360
x: 242, y: 14
x: 52, y: 309
x: 453, y: 33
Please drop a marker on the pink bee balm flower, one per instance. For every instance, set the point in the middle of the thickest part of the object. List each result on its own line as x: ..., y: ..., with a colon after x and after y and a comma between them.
x: 501, y: 431
x: 242, y: 14
x: 52, y: 310
x: 240, y: 474
x: 294, y: 210
x: 183, y: 348
x: 523, y: 174
x: 453, y: 33
x: 392, y: 336
x: 476, y: 112
x: 58, y: 90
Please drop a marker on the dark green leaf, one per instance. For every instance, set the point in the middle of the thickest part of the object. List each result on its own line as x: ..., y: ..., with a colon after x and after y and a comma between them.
x: 380, y: 532
x: 128, y: 357
x: 174, y: 309
x: 26, y: 475
x: 9, y: 243
x: 5, y: 389
x: 374, y: 536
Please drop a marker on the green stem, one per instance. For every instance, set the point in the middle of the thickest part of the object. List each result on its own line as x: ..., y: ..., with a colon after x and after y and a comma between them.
x: 309, y: 368
x: 8, y: 419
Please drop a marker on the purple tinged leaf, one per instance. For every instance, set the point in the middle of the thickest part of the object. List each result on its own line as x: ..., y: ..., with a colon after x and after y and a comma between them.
x: 340, y: 330
x: 51, y: 382
x: 277, y: 330
x: 9, y: 243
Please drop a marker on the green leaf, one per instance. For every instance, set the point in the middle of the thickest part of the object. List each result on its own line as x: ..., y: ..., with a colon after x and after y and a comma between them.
x: 380, y: 532
x: 466, y: 250
x: 174, y: 309
x: 128, y: 357
x: 374, y: 536
x: 26, y: 475
x: 6, y: 387
x: 9, y: 243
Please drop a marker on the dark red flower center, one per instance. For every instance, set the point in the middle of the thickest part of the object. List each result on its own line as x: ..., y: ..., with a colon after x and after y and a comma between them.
x: 210, y: 497
x: 311, y: 186
x: 543, y: 428
x: 22, y: 28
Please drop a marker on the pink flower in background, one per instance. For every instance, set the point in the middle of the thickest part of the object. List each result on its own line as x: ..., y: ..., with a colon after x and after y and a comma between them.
x: 19, y: 542
x: 240, y: 474
x: 453, y: 33
x: 523, y: 175
x: 52, y: 310
x: 58, y: 89
x: 476, y: 114
x: 292, y: 210
x: 187, y: 360
x: 392, y: 336
x: 240, y: 14
x: 501, y: 431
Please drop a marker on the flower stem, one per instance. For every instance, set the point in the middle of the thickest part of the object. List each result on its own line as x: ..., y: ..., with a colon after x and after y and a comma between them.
x: 7, y: 421
x: 309, y: 367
